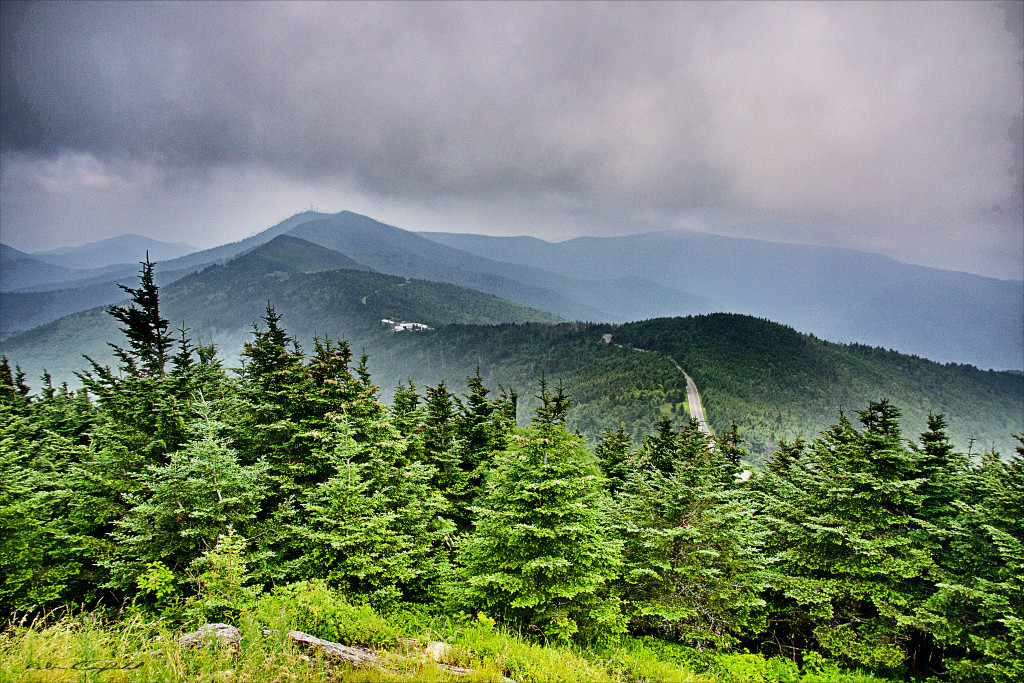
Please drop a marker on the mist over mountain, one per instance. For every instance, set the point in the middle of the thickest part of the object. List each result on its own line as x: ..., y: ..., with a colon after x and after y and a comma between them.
x: 322, y: 292
x: 838, y: 294
x: 770, y: 378
x: 18, y: 269
x: 122, y: 249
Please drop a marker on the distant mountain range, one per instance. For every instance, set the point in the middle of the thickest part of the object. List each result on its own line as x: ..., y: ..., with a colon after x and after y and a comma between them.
x: 74, y: 267
x: 836, y: 294
x: 114, y: 251
x: 326, y: 277
x: 322, y: 292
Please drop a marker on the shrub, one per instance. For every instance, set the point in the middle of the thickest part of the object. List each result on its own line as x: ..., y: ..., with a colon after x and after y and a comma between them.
x: 315, y: 608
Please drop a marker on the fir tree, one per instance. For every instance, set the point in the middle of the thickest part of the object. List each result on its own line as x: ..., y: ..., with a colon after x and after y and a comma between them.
x: 693, y: 564
x: 541, y: 555
x: 848, y: 566
x: 185, y: 505
x: 375, y: 527
x: 614, y: 452
x: 148, y: 339
x: 36, y: 566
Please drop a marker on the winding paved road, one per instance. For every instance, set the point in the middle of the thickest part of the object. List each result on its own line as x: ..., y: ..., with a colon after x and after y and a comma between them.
x: 692, y: 397
x: 696, y: 408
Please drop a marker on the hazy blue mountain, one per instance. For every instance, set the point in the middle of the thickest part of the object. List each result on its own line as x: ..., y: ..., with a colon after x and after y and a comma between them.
x: 20, y: 311
x: 21, y: 272
x: 596, y: 296
x: 18, y: 269
x: 25, y: 310
x: 225, y: 252
x: 222, y: 302
x: 31, y: 306
x: 41, y: 293
x: 839, y: 294
x: 130, y: 249
x: 293, y: 256
x: 773, y: 381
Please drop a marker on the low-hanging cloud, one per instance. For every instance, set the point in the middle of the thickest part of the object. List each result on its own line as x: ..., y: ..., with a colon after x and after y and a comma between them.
x: 865, y: 117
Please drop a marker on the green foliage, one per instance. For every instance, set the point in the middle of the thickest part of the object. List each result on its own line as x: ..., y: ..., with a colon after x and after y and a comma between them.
x: 541, y: 555
x: 35, y: 567
x: 693, y: 558
x: 846, y: 569
x: 978, y: 606
x: 185, y: 494
x: 183, y: 507
x: 220, y: 576
x: 374, y: 527
x: 778, y: 384
x: 315, y: 608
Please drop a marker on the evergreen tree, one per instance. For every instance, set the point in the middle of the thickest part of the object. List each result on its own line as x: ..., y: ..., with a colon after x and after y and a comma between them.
x: 541, y: 555
x: 273, y: 387
x: 148, y: 339
x: 660, y: 451
x: 407, y: 415
x: 848, y: 568
x: 693, y: 559
x: 376, y: 526
x: 36, y: 567
x: 977, y: 609
x: 943, y: 470
x: 441, y: 446
x: 185, y: 505
x: 614, y: 452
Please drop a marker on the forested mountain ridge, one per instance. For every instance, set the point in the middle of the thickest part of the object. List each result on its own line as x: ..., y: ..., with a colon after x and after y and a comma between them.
x: 19, y: 269
x: 221, y: 303
x: 836, y: 294
x: 774, y: 382
x: 597, y: 296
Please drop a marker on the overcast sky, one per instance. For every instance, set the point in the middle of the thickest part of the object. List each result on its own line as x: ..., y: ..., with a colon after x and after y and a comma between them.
x: 888, y: 127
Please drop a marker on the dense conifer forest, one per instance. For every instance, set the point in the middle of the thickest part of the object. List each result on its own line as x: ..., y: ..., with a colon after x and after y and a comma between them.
x: 168, y: 487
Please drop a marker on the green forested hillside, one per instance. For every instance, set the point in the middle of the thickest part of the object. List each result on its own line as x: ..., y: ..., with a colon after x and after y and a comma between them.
x: 609, y: 384
x: 778, y: 383
x: 292, y: 495
x: 774, y: 382
x: 221, y: 304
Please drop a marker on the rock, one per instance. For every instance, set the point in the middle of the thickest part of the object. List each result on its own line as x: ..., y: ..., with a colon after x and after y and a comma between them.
x: 438, y: 651
x: 225, y: 633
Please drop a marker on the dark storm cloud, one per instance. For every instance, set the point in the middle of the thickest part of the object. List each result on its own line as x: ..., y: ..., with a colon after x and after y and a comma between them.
x: 863, y: 117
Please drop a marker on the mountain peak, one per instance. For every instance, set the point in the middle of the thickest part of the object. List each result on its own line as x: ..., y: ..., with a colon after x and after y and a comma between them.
x: 287, y: 254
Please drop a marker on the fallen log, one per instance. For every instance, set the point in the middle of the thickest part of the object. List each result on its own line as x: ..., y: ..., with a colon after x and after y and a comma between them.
x: 331, y: 650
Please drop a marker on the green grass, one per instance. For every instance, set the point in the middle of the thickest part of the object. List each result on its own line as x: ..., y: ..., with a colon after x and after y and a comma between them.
x: 111, y: 647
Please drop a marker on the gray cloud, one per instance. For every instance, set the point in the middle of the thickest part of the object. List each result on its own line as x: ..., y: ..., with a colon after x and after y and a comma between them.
x: 874, y: 125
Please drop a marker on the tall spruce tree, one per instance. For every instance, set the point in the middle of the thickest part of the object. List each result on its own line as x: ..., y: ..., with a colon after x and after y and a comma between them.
x: 184, y: 506
x: 693, y: 563
x: 148, y: 338
x: 541, y: 555
x: 977, y: 609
